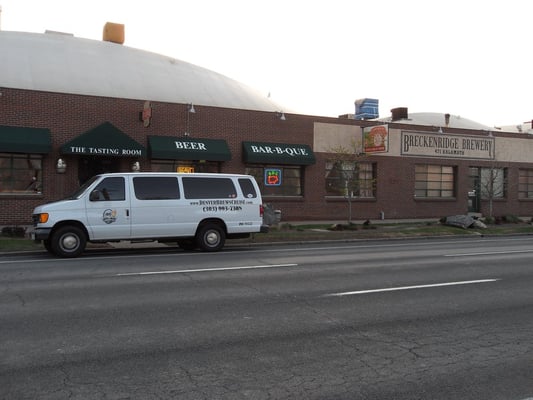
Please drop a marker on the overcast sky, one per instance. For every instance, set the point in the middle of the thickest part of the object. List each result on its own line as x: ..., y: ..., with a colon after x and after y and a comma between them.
x: 463, y: 57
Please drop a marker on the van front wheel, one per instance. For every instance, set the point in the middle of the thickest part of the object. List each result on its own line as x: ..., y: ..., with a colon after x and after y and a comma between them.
x: 68, y: 241
x: 210, y: 237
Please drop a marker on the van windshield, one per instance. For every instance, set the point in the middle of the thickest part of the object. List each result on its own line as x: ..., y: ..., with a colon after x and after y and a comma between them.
x: 77, y: 194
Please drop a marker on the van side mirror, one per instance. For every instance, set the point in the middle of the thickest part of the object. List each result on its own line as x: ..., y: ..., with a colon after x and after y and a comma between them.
x: 95, y: 195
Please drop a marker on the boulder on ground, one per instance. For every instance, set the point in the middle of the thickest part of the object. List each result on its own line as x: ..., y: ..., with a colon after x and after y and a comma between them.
x: 479, y: 224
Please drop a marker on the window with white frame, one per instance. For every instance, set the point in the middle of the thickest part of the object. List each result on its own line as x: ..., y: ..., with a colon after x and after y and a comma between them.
x: 493, y: 183
x: 278, y: 180
x: 434, y: 181
x: 525, y: 184
x: 21, y: 173
x: 350, y: 178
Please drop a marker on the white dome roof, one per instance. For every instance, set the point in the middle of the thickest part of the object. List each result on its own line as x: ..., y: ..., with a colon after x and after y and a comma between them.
x: 63, y: 63
x: 437, y: 119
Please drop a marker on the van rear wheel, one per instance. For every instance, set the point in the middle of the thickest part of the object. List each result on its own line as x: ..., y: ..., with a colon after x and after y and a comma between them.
x: 210, y: 237
x: 68, y: 241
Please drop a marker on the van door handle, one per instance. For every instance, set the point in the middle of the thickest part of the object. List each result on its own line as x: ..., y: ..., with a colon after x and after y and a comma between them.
x: 127, y: 213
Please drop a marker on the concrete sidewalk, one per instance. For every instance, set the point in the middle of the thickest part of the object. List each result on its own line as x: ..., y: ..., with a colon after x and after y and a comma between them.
x: 362, y: 221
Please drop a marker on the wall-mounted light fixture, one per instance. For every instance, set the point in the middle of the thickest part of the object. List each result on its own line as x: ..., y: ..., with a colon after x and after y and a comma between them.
x: 136, y: 166
x: 281, y: 115
x: 190, y: 110
x: 61, y: 166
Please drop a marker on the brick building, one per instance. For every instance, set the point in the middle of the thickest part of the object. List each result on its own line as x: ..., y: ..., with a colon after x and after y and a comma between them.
x: 71, y: 108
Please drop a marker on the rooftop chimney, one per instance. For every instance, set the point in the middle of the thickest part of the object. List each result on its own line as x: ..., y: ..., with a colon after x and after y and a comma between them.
x: 447, y: 119
x: 399, y: 113
x: 113, y: 33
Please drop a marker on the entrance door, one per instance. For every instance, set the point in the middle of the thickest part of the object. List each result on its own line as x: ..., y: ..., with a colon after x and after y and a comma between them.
x: 91, y: 166
x: 474, y: 191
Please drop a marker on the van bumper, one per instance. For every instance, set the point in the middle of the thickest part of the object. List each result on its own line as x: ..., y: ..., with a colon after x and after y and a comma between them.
x: 40, y: 233
x: 264, y: 229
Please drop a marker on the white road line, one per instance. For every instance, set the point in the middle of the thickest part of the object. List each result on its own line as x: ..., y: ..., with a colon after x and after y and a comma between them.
x: 488, y: 253
x: 188, y: 271
x: 410, y: 287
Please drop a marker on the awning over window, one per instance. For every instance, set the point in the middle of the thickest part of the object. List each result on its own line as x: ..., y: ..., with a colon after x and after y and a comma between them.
x: 24, y: 140
x: 106, y: 141
x: 187, y: 148
x: 277, y: 153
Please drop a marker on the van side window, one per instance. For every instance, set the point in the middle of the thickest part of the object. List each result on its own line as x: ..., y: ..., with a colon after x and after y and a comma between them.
x: 110, y: 189
x: 209, y: 188
x: 156, y: 188
x: 247, y: 187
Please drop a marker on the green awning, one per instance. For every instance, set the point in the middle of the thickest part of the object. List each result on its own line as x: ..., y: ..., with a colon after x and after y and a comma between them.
x: 277, y: 153
x: 187, y: 148
x: 106, y: 141
x: 15, y: 139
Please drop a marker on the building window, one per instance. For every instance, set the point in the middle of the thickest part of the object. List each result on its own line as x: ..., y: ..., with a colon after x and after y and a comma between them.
x: 350, y: 178
x: 288, y: 182
x: 525, y: 184
x: 434, y: 181
x: 493, y: 182
x: 184, y: 166
x: 21, y: 173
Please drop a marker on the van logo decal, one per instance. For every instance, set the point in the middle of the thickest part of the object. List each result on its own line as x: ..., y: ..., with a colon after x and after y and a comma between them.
x: 109, y: 216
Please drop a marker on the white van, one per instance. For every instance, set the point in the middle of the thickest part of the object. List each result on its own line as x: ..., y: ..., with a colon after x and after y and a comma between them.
x: 196, y: 210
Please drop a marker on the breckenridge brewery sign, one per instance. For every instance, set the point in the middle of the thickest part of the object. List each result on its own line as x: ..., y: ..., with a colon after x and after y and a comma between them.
x: 446, y: 145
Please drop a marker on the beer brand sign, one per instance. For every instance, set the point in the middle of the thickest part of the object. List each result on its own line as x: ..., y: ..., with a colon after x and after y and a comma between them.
x: 447, y: 146
x: 375, y: 139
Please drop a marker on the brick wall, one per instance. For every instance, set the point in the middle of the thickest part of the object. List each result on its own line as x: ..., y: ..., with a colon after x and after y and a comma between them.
x: 68, y: 116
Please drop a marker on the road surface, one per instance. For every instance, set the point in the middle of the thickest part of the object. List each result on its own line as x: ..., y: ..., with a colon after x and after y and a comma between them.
x: 392, y: 319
